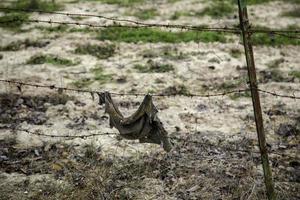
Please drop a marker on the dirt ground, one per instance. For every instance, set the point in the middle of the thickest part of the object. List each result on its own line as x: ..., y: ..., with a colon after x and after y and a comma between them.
x: 215, y: 154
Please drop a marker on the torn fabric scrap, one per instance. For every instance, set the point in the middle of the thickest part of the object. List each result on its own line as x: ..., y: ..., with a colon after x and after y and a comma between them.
x: 143, y: 125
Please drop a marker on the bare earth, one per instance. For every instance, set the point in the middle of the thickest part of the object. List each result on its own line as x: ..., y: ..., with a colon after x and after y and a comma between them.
x: 107, y: 167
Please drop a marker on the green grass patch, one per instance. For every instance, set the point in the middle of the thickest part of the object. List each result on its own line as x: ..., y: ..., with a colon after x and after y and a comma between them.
x: 50, y: 59
x: 274, y: 64
x: 231, y: 84
x: 145, y: 14
x: 173, y: 1
x: 293, y: 13
x: 166, y: 52
x: 156, y: 35
x: 18, y: 45
x: 253, y: 2
x: 273, y: 39
x: 52, y: 29
x: 153, y: 67
x: 121, y: 2
x: 100, y: 75
x: 13, y: 21
x: 65, y: 28
x: 176, y: 15
x: 42, y: 5
x: 16, y: 20
x: 235, y: 96
x: 295, y: 74
x: 218, y: 9
x: 99, y: 51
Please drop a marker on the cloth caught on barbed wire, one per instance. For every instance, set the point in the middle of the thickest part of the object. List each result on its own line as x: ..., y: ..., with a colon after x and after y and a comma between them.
x: 143, y: 125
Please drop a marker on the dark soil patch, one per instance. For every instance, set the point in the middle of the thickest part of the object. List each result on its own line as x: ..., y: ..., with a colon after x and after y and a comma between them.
x: 15, y: 108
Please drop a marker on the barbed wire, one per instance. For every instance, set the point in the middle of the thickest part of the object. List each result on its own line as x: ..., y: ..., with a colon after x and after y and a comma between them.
x: 53, y: 87
x: 279, y: 95
x: 139, y: 24
x: 39, y: 133
x: 116, y: 25
x: 281, y: 34
x: 224, y: 148
x: 19, y: 85
x: 190, y: 27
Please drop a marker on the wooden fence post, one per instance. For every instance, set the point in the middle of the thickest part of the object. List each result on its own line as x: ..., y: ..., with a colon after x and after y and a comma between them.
x: 246, y: 34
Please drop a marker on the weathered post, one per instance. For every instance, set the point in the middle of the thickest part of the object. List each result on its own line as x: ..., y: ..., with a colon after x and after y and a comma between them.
x: 246, y: 34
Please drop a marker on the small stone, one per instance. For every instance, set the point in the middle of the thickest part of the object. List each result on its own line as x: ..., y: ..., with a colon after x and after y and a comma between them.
x: 36, y: 152
x: 212, y: 67
x: 3, y: 158
x: 201, y: 107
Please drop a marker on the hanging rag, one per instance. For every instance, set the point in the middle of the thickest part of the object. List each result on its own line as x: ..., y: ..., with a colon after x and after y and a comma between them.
x: 143, y: 125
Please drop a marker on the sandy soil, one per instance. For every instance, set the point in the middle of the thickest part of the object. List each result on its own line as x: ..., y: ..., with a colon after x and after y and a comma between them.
x: 218, y: 121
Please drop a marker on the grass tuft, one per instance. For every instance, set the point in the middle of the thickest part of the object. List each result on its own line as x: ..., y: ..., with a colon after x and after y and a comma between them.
x: 51, y: 59
x: 98, y: 75
x: 13, y: 21
x: 51, y: 29
x: 145, y: 14
x: 274, y: 40
x: 218, y: 9
x: 274, y: 64
x: 16, y: 20
x: 18, y: 45
x: 293, y: 13
x: 156, y: 35
x: 99, y: 51
x: 42, y: 5
x: 165, y: 52
x: 153, y: 67
x: 295, y: 74
x: 121, y: 2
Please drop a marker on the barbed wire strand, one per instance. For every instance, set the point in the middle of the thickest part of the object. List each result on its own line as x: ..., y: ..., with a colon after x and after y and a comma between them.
x: 19, y: 84
x: 143, y: 24
x: 161, y: 25
x: 53, y: 87
x: 39, y: 133
x: 116, y: 25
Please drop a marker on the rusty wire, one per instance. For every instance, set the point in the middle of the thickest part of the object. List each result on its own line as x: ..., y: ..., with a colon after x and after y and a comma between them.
x: 138, y: 24
x: 19, y: 85
x: 224, y: 148
x: 53, y: 87
x: 39, y: 133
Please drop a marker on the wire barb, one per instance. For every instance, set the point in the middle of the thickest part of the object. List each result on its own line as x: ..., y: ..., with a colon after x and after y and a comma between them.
x: 52, y: 87
x: 138, y: 24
